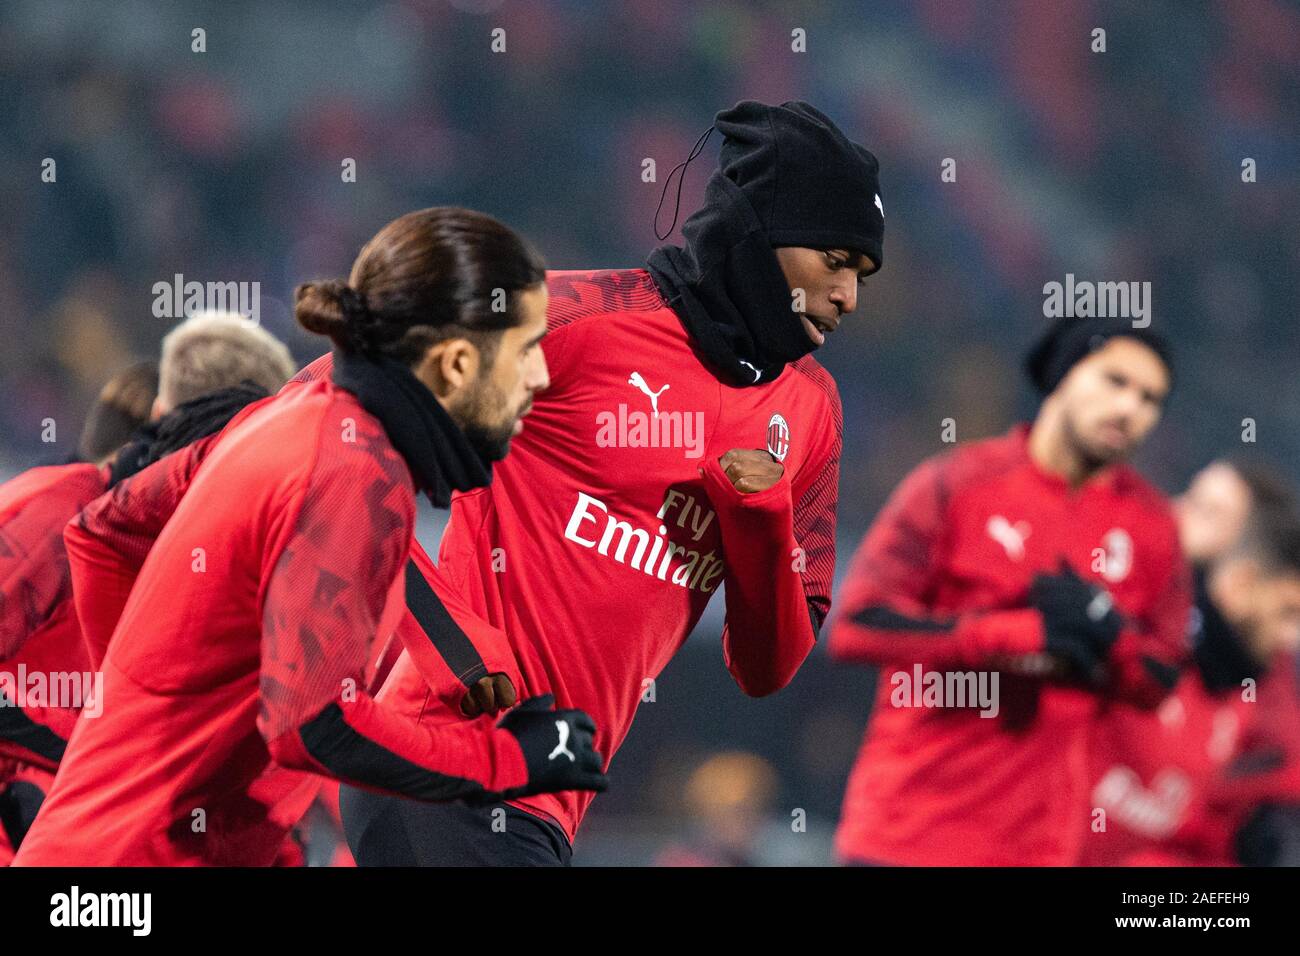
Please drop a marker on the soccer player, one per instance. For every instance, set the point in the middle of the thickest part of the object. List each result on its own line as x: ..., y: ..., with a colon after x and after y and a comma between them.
x: 261, y: 598
x: 36, y: 504
x: 33, y: 508
x: 689, y: 439
x: 1177, y: 785
x: 206, y: 352
x: 35, y: 721
x: 39, y: 632
x: 1039, y: 566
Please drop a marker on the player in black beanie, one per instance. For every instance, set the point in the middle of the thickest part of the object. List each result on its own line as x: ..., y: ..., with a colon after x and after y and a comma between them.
x: 1104, y: 384
x: 791, y: 196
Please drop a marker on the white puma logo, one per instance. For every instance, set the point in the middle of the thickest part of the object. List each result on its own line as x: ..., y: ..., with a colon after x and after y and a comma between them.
x: 1010, y: 536
x: 638, y: 382
x: 562, y: 748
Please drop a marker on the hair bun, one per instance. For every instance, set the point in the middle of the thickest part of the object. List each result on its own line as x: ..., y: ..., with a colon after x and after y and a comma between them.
x: 353, y: 305
x: 319, y: 307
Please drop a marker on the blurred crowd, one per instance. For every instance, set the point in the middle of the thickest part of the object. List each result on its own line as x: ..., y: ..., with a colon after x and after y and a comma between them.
x: 1123, y: 165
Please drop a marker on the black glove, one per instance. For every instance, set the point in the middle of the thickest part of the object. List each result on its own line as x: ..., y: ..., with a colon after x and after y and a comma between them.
x: 1269, y: 837
x: 1080, y: 621
x: 558, y: 748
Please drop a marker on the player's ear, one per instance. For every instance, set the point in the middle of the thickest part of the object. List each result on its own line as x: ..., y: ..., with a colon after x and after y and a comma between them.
x: 449, y: 367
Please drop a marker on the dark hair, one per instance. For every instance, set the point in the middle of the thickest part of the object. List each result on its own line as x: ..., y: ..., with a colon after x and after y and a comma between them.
x: 430, y: 275
x: 1272, y: 532
x: 1267, y: 486
x: 184, y: 424
x: 124, y: 405
x: 1272, y: 537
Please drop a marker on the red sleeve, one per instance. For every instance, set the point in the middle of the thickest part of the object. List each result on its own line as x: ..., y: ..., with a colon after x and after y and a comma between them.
x: 449, y: 644
x: 886, y: 606
x: 815, y: 492
x: 108, y: 542
x: 322, y: 609
x: 34, y: 576
x: 1145, y: 661
x: 780, y: 559
x: 769, y: 629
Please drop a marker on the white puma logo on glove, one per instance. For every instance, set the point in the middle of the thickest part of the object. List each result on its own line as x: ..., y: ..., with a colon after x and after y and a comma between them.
x: 563, y: 746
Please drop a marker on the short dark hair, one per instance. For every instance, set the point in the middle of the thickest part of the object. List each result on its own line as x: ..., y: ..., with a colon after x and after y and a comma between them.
x: 1272, y: 532
x: 124, y: 405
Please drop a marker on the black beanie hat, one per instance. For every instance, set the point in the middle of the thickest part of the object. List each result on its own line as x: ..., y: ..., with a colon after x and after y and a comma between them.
x: 809, y: 184
x: 1069, y: 340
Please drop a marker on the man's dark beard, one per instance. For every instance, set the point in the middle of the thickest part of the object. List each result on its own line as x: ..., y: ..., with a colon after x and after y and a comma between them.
x: 481, y: 405
x: 1092, y: 461
x: 491, y: 444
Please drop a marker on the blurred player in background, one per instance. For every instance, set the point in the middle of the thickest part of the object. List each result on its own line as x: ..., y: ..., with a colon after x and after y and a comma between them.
x: 688, y: 439
x: 302, y: 516
x: 39, y: 629
x: 1043, y: 566
x: 1180, y: 785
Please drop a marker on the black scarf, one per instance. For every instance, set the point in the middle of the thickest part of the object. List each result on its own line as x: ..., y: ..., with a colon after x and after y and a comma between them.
x: 1221, y: 657
x: 728, y: 289
x: 439, y: 455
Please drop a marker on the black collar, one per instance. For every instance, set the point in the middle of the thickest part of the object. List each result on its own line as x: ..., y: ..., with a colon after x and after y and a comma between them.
x: 727, y: 288
x: 1221, y: 657
x: 439, y: 455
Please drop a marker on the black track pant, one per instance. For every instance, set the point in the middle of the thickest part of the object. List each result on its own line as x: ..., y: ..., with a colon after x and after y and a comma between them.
x: 393, y: 831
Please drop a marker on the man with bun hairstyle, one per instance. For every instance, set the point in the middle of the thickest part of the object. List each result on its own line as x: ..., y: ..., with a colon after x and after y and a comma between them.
x: 1039, y: 565
x: 264, y: 618
x: 689, y: 439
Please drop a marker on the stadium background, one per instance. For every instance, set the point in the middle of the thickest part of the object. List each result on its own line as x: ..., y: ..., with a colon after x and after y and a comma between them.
x: 1124, y: 165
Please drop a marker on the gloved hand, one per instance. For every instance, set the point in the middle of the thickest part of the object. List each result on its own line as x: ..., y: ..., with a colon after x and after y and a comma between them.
x: 1080, y: 621
x: 558, y: 748
x: 1270, y: 836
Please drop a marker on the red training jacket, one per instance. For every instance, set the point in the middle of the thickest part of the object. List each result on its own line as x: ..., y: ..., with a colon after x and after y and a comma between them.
x: 610, y: 525
x: 940, y: 584
x: 245, y: 640
x: 38, y: 625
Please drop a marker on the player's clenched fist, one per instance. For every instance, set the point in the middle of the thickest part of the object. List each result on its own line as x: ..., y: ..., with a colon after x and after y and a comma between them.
x: 751, y: 469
